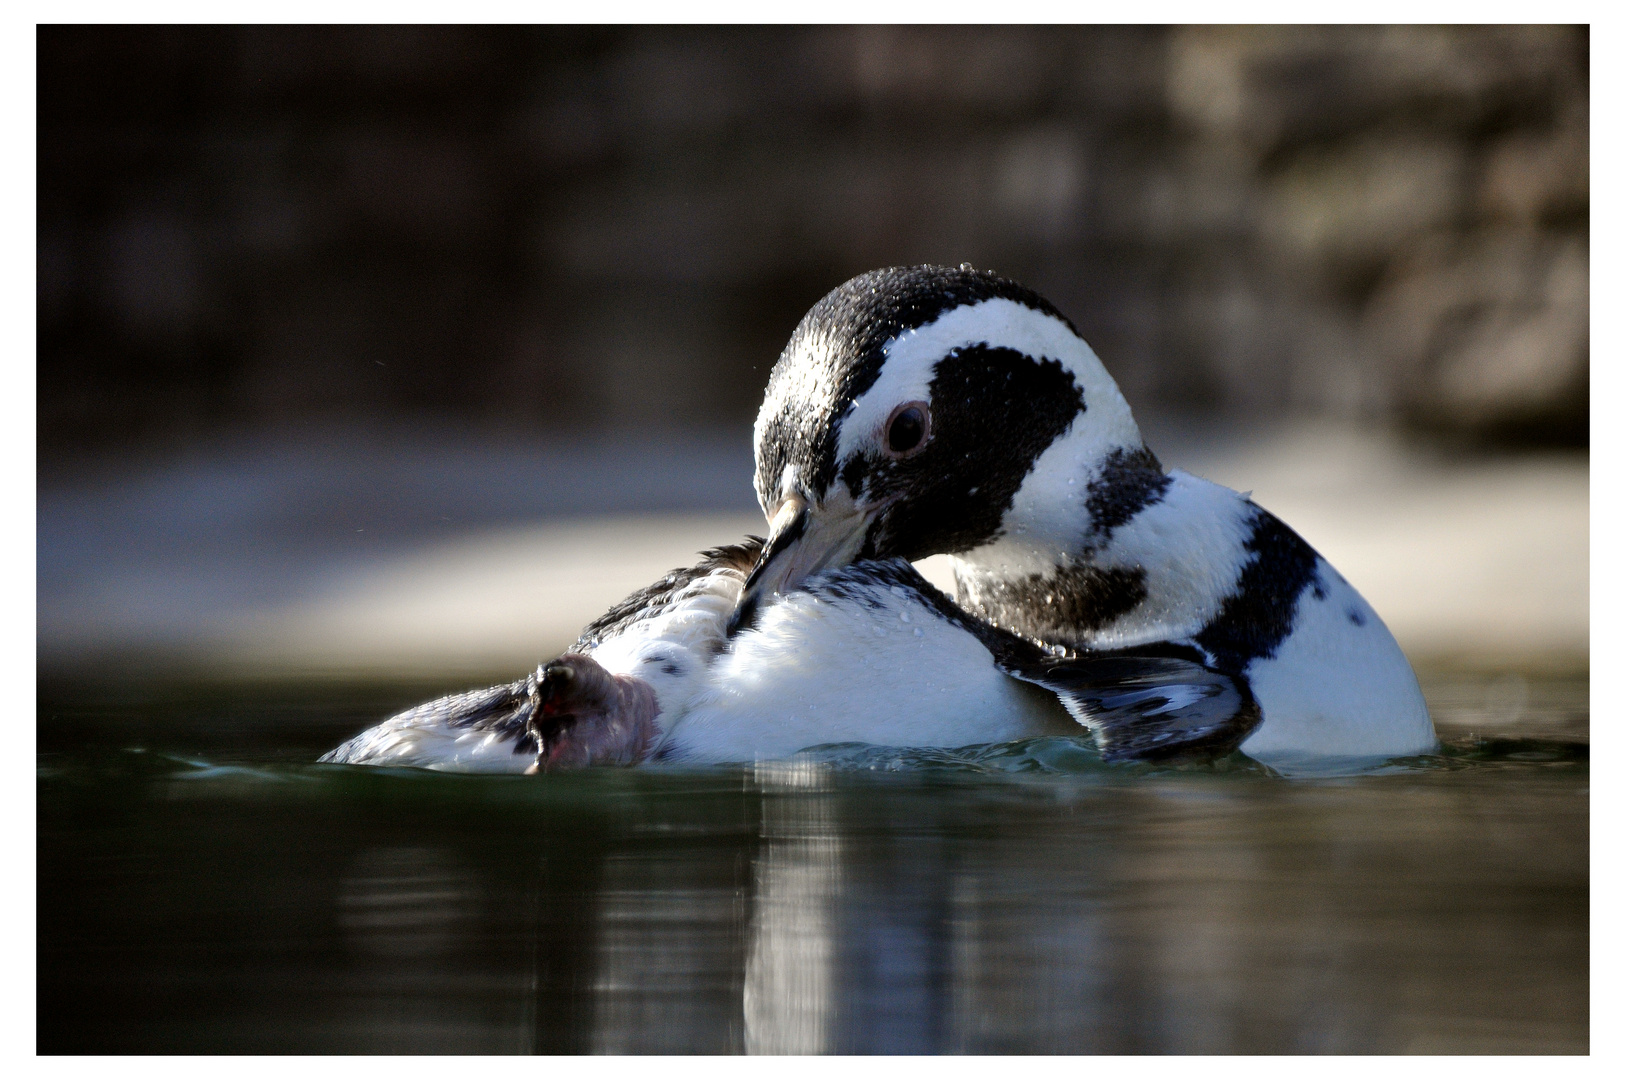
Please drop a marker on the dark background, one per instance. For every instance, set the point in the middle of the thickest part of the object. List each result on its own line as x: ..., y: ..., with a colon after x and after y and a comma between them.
x: 341, y: 330
x: 560, y: 229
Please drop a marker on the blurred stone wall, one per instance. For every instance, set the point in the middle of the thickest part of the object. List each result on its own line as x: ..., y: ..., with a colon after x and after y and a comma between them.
x: 553, y: 228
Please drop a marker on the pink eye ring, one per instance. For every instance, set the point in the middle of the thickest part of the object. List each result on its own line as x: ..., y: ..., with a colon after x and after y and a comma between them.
x: 908, y: 429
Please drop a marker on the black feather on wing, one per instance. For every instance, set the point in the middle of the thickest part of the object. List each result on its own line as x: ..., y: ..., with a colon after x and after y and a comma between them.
x: 505, y: 709
x: 1150, y: 704
x: 654, y: 599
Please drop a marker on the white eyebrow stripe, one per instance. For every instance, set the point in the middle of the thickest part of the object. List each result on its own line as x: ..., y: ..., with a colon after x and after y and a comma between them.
x: 912, y: 356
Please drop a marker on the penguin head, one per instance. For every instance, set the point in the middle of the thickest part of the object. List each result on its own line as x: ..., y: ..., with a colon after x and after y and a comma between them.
x: 909, y: 414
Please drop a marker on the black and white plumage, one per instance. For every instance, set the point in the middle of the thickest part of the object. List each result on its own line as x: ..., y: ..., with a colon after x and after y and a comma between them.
x: 1019, y: 457
x: 868, y: 652
x: 926, y: 411
x: 665, y: 636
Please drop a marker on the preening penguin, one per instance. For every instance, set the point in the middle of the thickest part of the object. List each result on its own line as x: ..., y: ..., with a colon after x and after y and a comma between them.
x: 929, y: 410
x: 867, y: 652
x: 925, y: 411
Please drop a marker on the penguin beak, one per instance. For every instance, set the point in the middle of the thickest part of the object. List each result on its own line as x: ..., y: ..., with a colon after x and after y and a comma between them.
x: 802, y: 540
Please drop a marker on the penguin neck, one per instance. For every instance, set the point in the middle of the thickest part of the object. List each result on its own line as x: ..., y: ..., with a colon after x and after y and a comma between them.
x: 1138, y: 555
x: 1076, y: 492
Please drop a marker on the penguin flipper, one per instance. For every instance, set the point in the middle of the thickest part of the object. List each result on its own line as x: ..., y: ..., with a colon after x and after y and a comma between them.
x: 480, y: 731
x: 1147, y: 707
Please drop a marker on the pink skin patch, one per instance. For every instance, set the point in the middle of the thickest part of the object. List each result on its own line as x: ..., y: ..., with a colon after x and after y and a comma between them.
x: 591, y: 717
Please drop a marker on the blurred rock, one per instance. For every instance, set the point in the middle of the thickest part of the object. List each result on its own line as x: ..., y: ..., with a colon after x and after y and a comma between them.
x: 1539, y: 178
x: 1362, y: 201
x: 1490, y: 333
x: 575, y: 228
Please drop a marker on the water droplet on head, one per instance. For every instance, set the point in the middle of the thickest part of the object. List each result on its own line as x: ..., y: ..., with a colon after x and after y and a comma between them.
x: 919, y: 632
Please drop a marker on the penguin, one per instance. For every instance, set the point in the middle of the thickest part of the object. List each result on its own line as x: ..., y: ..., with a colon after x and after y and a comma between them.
x: 932, y: 410
x: 865, y: 652
x: 928, y: 410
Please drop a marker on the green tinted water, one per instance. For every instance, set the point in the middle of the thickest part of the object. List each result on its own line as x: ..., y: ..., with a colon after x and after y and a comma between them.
x: 204, y: 888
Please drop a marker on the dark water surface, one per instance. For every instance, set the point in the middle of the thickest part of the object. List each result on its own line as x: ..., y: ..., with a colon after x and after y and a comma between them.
x: 203, y: 887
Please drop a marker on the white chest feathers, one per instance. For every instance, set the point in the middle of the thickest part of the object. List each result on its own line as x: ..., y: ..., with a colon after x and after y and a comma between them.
x: 831, y: 665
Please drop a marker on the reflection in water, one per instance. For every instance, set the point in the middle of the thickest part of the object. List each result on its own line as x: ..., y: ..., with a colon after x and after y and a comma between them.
x: 406, y: 912
x: 1029, y: 976
x: 224, y: 906
x: 895, y: 970
x: 667, y: 975
x: 406, y: 903
x: 789, y: 989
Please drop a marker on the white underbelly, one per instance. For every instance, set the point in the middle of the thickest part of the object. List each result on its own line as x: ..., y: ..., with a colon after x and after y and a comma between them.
x: 820, y: 671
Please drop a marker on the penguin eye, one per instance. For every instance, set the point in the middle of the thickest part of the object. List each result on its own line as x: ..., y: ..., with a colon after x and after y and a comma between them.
x: 908, y: 428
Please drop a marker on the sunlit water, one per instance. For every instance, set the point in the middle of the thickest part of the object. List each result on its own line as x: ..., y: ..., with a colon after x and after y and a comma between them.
x: 203, y: 887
